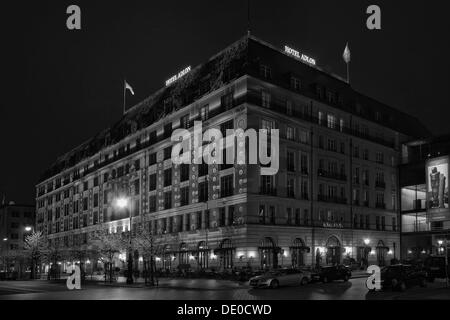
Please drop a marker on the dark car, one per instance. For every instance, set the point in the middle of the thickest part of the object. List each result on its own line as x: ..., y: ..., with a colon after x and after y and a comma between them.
x: 331, y: 273
x: 399, y: 277
x: 435, y: 268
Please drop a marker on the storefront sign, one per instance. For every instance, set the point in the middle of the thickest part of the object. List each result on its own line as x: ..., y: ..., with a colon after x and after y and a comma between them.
x: 299, y: 55
x: 437, y: 189
x: 178, y: 76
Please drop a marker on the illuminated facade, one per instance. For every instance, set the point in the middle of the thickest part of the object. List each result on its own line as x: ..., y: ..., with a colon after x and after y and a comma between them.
x: 336, y: 194
x: 424, y: 197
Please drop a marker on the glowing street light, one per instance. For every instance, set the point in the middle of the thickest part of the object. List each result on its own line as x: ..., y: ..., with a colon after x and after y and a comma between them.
x: 5, y: 239
x: 366, y: 242
x: 122, y: 203
x: 28, y: 229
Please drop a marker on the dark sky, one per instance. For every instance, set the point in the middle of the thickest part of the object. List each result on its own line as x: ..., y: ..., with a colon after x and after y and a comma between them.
x: 60, y: 87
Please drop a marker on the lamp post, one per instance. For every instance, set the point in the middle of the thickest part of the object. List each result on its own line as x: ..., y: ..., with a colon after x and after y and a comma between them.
x: 4, y: 257
x: 440, y: 243
x: 123, y: 203
x: 366, y: 253
x: 30, y: 229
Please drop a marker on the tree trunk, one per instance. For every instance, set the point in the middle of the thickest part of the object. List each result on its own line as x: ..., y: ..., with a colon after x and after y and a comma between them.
x: 32, y: 275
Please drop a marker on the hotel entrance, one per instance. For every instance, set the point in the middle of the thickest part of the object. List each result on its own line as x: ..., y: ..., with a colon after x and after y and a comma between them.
x: 334, y: 251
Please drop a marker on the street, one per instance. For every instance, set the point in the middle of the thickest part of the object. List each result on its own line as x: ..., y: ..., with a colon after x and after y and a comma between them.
x: 207, y: 289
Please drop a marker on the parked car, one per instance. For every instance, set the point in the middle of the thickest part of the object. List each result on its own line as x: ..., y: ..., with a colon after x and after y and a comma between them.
x: 401, y: 276
x: 435, y: 268
x: 282, y: 277
x: 331, y: 273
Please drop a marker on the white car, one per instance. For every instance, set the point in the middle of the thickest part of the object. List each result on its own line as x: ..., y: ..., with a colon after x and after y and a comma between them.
x: 282, y: 277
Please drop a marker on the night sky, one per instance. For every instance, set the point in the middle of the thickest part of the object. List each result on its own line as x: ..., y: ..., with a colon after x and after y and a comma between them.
x: 61, y: 87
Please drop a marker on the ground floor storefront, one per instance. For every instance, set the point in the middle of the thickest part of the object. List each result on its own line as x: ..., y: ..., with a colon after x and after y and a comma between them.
x: 244, y: 247
x: 420, y: 245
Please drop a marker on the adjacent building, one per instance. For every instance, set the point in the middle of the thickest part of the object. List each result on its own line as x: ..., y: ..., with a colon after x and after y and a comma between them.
x: 424, y: 198
x: 335, y: 196
x: 16, y: 222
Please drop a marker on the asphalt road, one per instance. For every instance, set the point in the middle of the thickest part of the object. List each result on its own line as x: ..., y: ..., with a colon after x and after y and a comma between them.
x: 180, y: 289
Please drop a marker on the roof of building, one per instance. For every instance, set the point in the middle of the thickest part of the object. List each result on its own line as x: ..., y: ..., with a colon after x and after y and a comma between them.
x: 238, y: 59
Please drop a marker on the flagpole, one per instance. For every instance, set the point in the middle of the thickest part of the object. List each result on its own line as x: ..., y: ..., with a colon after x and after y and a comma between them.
x: 348, y: 72
x: 248, y: 18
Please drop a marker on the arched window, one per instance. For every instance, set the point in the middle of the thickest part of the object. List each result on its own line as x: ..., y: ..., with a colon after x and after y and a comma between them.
x: 226, y: 253
x: 382, y: 251
x: 183, y: 254
x: 268, y: 253
x: 333, y: 251
x: 166, y: 257
x: 202, y: 254
x: 298, y: 250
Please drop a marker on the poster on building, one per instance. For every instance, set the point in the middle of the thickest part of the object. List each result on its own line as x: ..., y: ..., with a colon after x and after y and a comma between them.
x: 437, y: 189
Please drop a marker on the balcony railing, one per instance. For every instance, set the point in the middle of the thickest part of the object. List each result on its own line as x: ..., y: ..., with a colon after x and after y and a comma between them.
x: 338, y: 200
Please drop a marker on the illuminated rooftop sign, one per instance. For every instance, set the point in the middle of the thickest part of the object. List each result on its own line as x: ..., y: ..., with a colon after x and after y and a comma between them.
x: 178, y: 76
x: 299, y: 55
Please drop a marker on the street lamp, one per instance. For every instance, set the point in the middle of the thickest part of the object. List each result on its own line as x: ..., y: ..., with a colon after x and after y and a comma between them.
x: 440, y: 243
x: 28, y: 229
x: 4, y: 258
x: 366, y: 242
x: 123, y: 203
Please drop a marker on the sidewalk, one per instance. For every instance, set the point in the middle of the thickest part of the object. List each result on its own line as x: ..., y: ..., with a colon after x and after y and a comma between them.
x: 191, y: 284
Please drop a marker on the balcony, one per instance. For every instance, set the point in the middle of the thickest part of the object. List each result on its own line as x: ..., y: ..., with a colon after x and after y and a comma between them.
x: 331, y: 175
x: 323, y: 198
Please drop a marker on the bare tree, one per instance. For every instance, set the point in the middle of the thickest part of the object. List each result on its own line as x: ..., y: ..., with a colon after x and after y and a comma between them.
x: 52, y: 254
x: 80, y: 253
x: 35, y: 246
x: 143, y: 241
x: 108, y: 245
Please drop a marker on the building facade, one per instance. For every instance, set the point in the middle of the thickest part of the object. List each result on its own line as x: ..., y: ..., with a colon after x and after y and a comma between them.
x: 335, y: 196
x: 16, y: 222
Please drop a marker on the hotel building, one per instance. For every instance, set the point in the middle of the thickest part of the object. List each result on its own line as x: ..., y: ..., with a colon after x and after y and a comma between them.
x: 336, y: 194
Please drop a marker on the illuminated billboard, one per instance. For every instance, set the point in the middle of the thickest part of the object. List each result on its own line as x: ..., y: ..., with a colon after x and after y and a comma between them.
x: 437, y: 189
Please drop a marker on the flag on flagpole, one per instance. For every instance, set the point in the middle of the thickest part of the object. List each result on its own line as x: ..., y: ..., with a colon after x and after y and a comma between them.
x: 347, y: 54
x: 128, y: 87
